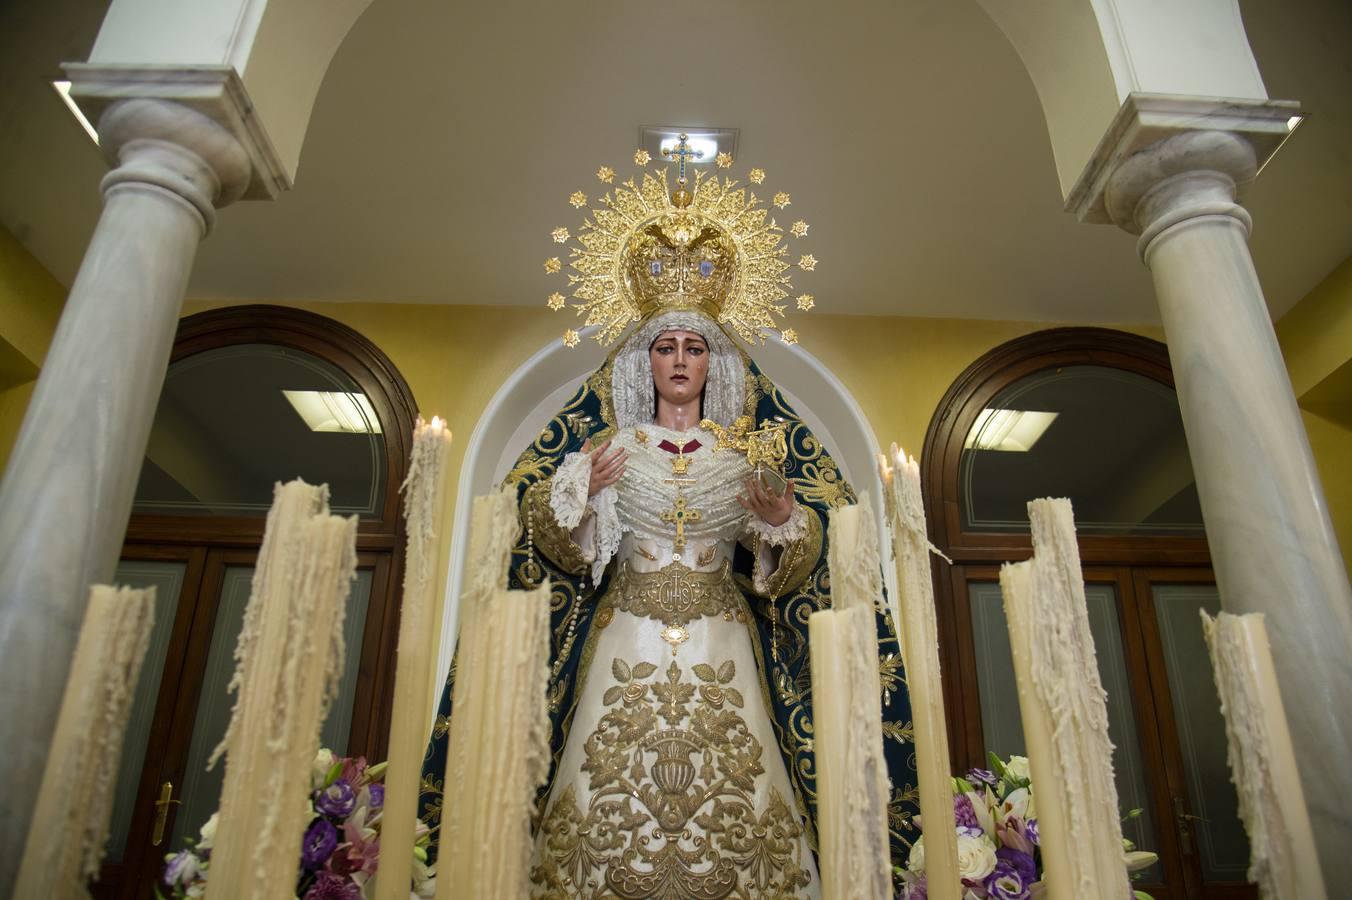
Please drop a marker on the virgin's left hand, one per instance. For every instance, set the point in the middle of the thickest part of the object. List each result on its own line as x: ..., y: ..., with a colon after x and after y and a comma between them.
x: 774, y: 508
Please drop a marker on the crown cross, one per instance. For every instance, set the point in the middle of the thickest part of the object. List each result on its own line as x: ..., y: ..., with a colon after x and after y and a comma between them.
x: 681, y: 152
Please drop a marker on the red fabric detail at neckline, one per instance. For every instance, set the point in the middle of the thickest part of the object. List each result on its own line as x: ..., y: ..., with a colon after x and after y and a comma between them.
x: 690, y: 447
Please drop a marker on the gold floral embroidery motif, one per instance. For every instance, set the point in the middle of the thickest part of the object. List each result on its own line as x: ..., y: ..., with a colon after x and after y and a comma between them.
x: 673, y: 769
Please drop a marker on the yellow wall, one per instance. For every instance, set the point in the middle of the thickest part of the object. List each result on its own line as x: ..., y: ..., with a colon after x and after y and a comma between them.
x: 1316, y: 339
x: 30, y: 305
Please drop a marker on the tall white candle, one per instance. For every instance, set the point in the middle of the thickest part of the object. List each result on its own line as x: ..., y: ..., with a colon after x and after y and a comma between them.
x: 852, y: 788
x: 1065, y: 712
x: 1283, y: 861
x: 498, y: 749
x: 920, y: 652
x: 290, y: 656
x: 423, y: 492
x: 75, y: 801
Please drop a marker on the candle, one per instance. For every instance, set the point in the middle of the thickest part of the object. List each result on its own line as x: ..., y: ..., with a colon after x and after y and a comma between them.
x: 1065, y: 715
x: 920, y: 652
x: 498, y: 755
x: 852, y: 787
x: 289, y: 659
x: 852, y: 557
x: 75, y: 801
x: 1283, y: 863
x: 413, y: 688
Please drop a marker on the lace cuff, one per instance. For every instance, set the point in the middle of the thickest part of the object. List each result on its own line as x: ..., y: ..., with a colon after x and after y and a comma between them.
x: 608, y: 532
x: 795, y: 529
x: 568, y: 494
x: 800, y: 540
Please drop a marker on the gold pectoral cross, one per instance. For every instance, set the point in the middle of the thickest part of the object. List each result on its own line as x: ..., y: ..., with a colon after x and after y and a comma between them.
x: 680, y: 514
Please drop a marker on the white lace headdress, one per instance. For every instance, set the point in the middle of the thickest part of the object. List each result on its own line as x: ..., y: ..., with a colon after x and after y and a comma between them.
x: 632, y: 378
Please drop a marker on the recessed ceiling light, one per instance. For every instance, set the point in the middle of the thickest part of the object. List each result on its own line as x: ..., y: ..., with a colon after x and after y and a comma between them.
x: 63, y: 89
x: 335, y: 411
x: 1009, y: 430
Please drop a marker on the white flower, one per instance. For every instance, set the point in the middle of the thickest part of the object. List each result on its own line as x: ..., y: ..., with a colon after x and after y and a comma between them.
x: 208, y: 836
x: 1017, y: 768
x: 981, y: 805
x: 976, y: 857
x: 1015, y: 805
x: 319, y: 770
x: 916, y: 861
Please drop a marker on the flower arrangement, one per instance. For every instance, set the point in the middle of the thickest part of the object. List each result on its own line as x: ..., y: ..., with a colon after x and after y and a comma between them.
x: 998, y: 855
x: 341, y: 848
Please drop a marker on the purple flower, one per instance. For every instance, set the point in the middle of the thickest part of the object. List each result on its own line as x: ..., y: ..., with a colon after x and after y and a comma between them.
x: 1030, y: 829
x: 333, y: 887
x: 915, y: 890
x: 1019, y: 861
x: 377, y: 796
x: 983, y: 776
x: 964, y: 815
x: 182, y: 868
x: 337, y: 799
x: 1006, y: 883
x: 317, y: 846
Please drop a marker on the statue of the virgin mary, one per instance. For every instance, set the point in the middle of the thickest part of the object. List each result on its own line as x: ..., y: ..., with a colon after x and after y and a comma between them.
x: 677, y: 505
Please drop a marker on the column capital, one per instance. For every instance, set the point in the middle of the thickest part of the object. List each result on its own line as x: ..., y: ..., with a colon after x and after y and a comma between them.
x: 177, y: 149
x: 1196, y: 173
x: 1147, y: 122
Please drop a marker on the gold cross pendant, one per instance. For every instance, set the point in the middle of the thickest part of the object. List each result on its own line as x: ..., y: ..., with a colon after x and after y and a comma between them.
x: 679, y: 515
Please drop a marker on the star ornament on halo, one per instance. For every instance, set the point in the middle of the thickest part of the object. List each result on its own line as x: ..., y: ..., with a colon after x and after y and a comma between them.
x: 552, y: 265
x: 808, y: 263
x: 578, y: 199
x: 642, y: 157
x: 782, y: 199
x: 556, y: 301
x: 799, y: 229
x: 806, y: 302
x: 606, y: 174
x: 570, y: 338
x: 789, y: 336
x: 723, y: 160
x: 756, y: 175
x: 560, y: 235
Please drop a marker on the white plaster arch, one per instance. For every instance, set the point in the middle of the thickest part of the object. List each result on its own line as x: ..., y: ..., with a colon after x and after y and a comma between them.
x: 536, y: 391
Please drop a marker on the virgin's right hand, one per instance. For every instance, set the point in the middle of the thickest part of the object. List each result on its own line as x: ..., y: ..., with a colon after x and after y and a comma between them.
x: 606, y: 468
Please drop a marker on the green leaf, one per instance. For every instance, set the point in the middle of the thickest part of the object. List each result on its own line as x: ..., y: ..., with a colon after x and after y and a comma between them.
x: 620, y: 669
x: 334, y: 771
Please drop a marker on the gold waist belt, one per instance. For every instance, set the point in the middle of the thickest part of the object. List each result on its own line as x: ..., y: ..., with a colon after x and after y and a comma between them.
x: 676, y: 595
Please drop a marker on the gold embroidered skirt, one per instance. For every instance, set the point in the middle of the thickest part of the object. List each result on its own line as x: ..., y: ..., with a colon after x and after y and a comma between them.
x: 670, y: 784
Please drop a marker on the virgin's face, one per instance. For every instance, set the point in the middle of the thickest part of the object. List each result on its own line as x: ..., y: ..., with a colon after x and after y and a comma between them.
x: 680, y: 362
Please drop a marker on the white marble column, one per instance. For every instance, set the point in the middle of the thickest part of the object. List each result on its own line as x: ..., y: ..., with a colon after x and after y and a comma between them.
x: 1272, y: 543
x: 67, y: 492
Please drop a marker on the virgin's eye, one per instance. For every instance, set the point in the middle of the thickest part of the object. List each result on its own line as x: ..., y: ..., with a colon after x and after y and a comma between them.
x: 697, y: 351
x: 664, y: 349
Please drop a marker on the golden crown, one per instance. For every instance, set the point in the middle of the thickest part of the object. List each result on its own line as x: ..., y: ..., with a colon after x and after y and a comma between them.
x: 646, y: 249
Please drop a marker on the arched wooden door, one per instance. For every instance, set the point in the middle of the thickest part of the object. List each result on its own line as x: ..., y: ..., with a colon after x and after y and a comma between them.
x: 254, y: 395
x: 1091, y: 414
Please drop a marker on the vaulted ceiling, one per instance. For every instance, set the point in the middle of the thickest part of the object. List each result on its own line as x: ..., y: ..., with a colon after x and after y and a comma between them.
x: 447, y: 137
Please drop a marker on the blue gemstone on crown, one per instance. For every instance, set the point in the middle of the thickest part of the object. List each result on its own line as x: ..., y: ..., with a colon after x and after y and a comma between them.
x: 655, y: 267
x: 706, y: 267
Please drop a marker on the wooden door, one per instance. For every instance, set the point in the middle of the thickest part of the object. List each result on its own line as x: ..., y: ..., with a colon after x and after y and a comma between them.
x: 165, y: 792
